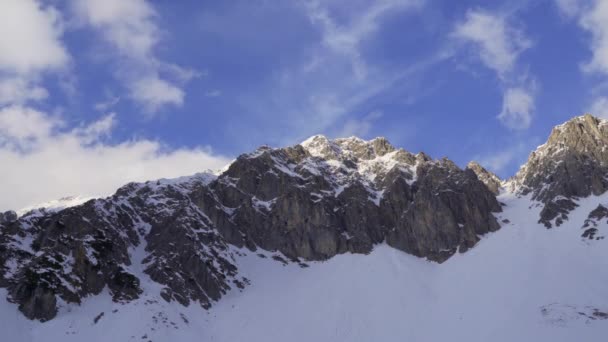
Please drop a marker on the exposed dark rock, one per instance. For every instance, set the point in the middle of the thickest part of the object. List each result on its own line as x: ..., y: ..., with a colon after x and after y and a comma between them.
x: 486, y: 177
x: 593, y: 221
x: 98, y: 317
x: 589, y: 233
x: 598, y: 213
x: 298, y: 202
x: 557, y: 210
x: 450, y: 208
x: 8, y: 217
x: 572, y: 164
x: 308, y: 202
x: 79, y: 251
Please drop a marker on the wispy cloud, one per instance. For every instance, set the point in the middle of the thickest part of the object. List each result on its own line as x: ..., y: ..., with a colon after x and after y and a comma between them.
x: 345, y: 39
x: 498, y: 45
x: 105, y: 105
x: 130, y: 27
x: 592, y: 16
x: 334, y: 84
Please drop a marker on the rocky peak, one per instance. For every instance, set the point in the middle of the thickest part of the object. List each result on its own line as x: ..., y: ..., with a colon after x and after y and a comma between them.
x: 585, y: 134
x: 321, y: 146
x: 347, y: 148
x: 353, y: 158
x: 488, y: 178
x: 381, y: 146
x: 572, y: 164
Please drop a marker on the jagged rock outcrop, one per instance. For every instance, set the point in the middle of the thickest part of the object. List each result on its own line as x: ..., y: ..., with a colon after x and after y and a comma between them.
x: 324, y: 197
x: 486, y: 177
x: 150, y: 229
x: 572, y: 164
x: 593, y: 221
x: 450, y: 208
x: 310, y: 201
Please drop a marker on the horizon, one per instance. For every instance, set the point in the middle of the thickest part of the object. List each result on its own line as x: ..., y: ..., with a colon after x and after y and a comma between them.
x: 96, y: 94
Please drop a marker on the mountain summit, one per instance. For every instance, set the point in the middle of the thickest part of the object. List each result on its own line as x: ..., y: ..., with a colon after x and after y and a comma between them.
x: 572, y: 164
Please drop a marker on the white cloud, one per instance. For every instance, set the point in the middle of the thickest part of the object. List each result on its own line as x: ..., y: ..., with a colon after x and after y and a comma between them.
x: 599, y: 107
x: 97, y: 130
x: 30, y: 37
x: 592, y: 16
x: 41, y: 161
x: 595, y: 20
x: 499, y: 45
x: 18, y: 89
x: 154, y: 93
x: 517, y: 108
x: 21, y: 125
x: 130, y: 27
x: 127, y: 24
x: 30, y: 45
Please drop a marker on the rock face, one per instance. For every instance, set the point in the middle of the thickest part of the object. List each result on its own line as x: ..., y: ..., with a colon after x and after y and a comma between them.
x: 8, y: 217
x: 592, y: 223
x: 486, y: 177
x: 572, y: 164
x: 310, y: 201
x: 152, y: 229
x: 323, y: 197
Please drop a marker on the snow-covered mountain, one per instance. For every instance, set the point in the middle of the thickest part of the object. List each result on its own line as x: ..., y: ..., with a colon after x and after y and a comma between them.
x: 327, y: 240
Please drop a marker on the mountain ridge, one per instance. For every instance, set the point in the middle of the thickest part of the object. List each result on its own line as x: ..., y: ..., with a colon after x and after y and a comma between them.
x: 307, y: 202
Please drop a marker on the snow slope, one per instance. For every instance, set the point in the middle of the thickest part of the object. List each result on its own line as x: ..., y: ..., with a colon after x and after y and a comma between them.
x: 521, y: 283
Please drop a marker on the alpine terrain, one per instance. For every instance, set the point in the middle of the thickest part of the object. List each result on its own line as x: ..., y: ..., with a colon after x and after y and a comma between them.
x: 327, y: 240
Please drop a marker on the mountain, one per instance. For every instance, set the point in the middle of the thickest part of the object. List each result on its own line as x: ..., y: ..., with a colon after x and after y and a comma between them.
x: 572, y: 164
x: 341, y: 239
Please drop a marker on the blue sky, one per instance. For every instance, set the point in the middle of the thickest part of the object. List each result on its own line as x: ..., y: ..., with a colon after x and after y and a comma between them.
x: 121, y: 90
